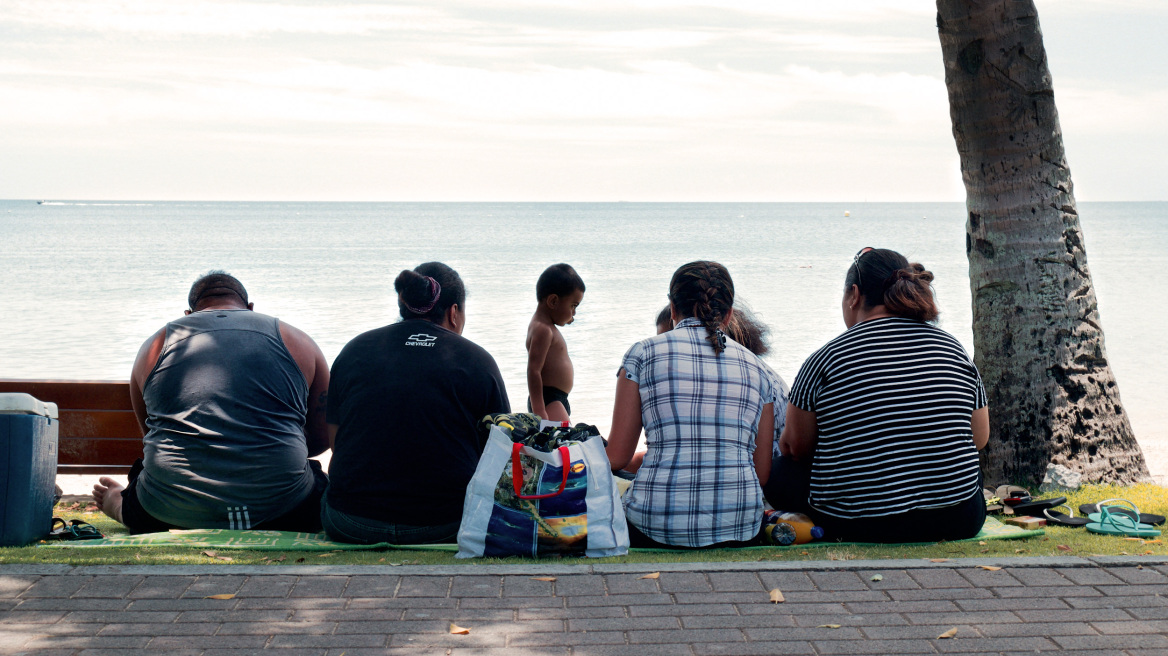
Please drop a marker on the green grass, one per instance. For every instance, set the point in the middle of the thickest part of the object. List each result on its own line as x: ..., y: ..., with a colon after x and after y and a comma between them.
x: 1078, y: 542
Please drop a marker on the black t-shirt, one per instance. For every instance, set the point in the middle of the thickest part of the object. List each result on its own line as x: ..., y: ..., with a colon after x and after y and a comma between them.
x: 407, y: 399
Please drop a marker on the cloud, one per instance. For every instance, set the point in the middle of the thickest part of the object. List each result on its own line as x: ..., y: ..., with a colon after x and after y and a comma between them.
x: 204, y: 17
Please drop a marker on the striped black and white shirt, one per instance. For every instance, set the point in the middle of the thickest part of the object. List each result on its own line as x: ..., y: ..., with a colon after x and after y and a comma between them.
x: 893, y: 399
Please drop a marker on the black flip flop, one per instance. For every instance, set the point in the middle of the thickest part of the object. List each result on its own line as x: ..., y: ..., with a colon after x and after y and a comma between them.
x: 1035, y: 508
x: 1064, y: 519
x: 1144, y: 518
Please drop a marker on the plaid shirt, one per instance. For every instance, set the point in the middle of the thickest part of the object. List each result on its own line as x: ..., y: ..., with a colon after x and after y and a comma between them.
x: 700, y: 412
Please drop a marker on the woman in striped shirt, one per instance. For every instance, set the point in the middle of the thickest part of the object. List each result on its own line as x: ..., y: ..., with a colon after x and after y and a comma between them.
x: 885, y: 421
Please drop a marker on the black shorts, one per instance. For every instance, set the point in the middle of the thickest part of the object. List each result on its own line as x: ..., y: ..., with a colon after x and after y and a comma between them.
x: 550, y: 396
x: 304, y: 518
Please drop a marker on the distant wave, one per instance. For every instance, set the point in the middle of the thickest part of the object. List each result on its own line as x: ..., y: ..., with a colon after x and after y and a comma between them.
x: 53, y: 202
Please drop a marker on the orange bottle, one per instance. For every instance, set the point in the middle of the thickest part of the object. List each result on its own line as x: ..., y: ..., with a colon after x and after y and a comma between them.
x: 789, y: 528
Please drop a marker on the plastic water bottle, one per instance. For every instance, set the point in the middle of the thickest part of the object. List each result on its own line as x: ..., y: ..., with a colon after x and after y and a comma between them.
x: 789, y: 528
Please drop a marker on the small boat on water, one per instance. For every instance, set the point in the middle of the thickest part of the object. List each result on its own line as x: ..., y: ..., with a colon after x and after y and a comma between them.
x: 40, y: 202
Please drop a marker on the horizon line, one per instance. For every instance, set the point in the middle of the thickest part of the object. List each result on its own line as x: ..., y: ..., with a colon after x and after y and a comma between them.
x: 47, y: 201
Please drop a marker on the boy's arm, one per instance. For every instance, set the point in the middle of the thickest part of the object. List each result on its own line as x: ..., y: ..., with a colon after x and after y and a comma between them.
x: 537, y: 350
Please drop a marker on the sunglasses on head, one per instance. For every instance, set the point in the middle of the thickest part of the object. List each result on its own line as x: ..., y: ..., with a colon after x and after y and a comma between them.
x: 856, y: 263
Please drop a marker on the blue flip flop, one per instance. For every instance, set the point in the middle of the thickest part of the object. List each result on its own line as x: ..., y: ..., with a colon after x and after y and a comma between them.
x: 1109, y: 521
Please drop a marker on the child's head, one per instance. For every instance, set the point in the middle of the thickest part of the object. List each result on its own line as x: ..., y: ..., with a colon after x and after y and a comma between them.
x: 560, y: 289
x: 665, y: 320
x: 748, y: 331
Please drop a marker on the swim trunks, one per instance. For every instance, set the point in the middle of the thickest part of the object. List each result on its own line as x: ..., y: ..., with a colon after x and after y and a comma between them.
x: 551, y: 395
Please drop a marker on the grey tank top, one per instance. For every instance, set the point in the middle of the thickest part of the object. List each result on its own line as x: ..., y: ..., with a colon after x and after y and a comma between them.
x: 226, y: 405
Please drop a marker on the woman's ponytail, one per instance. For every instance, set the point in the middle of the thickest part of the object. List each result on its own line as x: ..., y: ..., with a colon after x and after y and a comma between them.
x: 428, y: 291
x: 887, y: 278
x: 909, y: 293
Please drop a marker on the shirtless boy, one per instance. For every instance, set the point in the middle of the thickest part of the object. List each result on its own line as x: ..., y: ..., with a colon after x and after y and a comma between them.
x: 549, y: 369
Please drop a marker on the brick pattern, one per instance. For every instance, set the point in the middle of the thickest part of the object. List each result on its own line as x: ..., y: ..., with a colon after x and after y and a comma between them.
x: 1120, y: 610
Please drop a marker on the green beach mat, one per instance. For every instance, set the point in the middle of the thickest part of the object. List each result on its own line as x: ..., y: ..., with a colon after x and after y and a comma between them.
x: 288, y: 541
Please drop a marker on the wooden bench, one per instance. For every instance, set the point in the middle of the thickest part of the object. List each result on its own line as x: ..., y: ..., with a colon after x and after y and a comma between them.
x: 98, y: 433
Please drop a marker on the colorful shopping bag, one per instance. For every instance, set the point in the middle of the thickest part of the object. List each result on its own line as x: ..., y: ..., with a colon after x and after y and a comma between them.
x: 542, y: 492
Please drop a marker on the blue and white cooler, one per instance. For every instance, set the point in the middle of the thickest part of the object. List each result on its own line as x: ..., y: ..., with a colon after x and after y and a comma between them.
x: 28, y: 468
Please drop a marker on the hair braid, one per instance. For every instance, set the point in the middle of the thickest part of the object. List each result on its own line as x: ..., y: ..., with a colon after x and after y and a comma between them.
x: 703, y: 290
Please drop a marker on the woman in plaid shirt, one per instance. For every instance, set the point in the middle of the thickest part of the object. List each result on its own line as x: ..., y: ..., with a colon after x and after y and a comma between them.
x: 706, y: 404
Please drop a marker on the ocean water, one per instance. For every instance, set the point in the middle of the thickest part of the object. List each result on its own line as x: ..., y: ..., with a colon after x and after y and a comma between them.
x: 84, y: 283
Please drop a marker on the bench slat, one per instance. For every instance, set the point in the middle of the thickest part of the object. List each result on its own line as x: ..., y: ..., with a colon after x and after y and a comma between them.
x: 75, y: 394
x: 81, y: 424
x: 100, y: 452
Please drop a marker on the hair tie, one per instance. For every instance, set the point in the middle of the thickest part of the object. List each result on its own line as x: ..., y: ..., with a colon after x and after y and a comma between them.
x: 435, y: 293
x: 721, y: 337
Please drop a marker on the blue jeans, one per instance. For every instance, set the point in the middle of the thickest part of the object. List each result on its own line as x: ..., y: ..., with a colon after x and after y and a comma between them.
x: 343, y: 527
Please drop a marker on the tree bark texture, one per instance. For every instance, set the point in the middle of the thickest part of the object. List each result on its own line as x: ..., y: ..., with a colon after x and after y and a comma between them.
x: 1037, y: 336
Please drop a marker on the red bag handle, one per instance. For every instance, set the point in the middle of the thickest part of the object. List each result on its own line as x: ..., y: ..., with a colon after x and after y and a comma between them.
x: 517, y: 472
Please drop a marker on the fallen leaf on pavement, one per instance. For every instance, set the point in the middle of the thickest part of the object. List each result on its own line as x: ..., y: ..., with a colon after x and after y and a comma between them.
x: 209, y: 554
x: 985, y: 550
x: 1149, y: 551
x: 654, y: 575
x: 777, y: 596
x: 1063, y: 547
x: 989, y: 568
x: 951, y: 633
x: 548, y: 579
x: 938, y: 560
x: 828, y: 626
x: 458, y: 630
x: 1021, y: 550
x: 220, y: 596
x: 805, y: 553
x: 877, y: 577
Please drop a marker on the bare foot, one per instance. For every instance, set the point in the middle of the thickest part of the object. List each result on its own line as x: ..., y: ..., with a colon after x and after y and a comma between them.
x: 108, y: 494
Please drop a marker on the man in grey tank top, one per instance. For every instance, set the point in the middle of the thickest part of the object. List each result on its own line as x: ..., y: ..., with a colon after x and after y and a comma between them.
x: 231, y: 404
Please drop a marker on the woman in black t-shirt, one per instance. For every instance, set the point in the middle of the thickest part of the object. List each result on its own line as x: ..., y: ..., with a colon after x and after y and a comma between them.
x: 885, y: 421
x: 404, y: 404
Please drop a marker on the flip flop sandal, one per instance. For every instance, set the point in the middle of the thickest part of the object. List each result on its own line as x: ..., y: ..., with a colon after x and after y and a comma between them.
x: 1035, y: 508
x: 57, y: 529
x: 993, y: 503
x: 1145, y: 518
x: 1109, y: 522
x: 1007, y: 492
x: 1065, y: 519
x: 84, y: 531
x: 74, y: 530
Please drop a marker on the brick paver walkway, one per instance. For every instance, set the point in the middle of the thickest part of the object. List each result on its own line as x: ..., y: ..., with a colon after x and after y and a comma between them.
x: 1076, y: 606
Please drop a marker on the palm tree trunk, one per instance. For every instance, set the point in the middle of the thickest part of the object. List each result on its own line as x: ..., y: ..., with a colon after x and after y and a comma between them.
x: 1036, y: 330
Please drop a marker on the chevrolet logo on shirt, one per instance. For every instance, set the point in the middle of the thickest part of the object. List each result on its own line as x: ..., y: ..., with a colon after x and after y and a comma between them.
x: 421, y: 339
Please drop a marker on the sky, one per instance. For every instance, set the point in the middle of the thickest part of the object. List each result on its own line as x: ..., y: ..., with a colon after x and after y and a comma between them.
x: 541, y: 100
